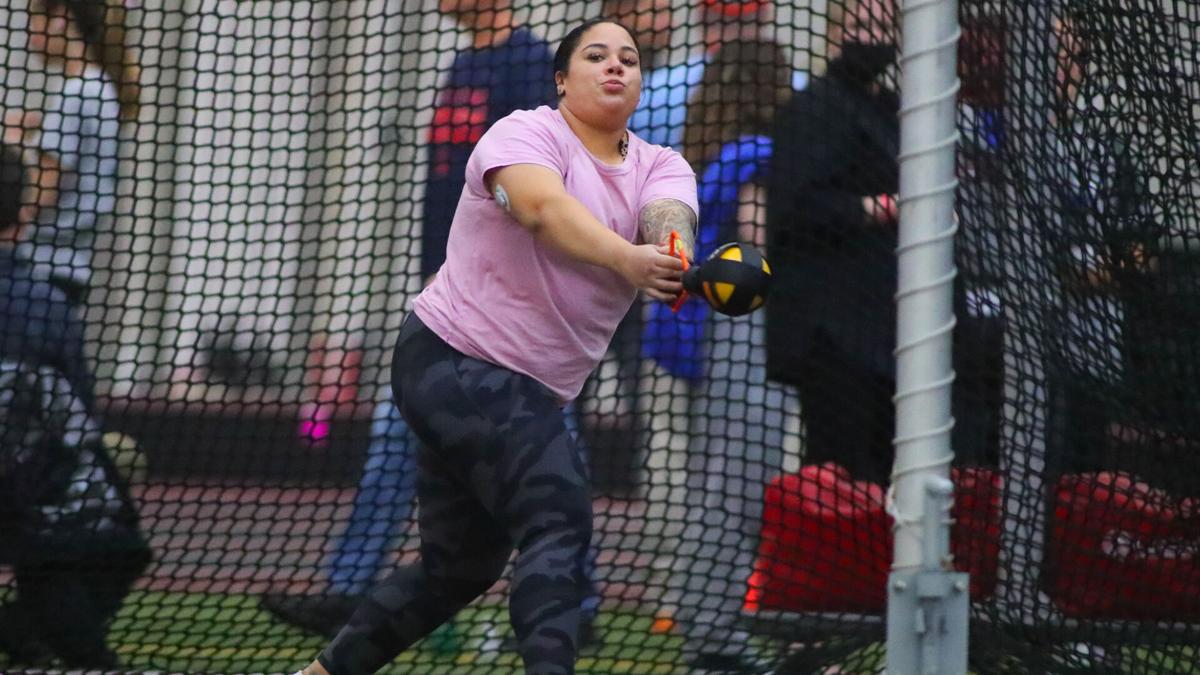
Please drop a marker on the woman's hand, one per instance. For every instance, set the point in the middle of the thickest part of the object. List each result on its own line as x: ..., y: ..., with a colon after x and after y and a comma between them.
x: 653, y: 270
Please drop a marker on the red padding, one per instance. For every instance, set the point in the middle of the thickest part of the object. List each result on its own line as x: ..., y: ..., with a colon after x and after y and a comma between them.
x: 1120, y: 549
x: 827, y: 542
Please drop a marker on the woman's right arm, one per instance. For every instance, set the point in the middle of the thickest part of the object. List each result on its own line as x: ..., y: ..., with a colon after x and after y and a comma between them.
x: 535, y: 197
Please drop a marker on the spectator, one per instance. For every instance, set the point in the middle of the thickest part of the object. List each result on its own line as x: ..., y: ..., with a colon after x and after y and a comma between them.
x: 736, y: 419
x: 1119, y: 312
x: 76, y: 138
x: 506, y: 68
x: 831, y: 221
x: 662, y: 112
x: 541, y: 266
x: 660, y: 118
x: 832, y: 233
x: 71, y: 578
x: 68, y: 525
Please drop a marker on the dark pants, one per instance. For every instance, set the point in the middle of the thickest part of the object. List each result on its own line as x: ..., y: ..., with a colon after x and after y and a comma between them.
x: 847, y: 413
x: 497, y: 469
x: 65, y: 605
x: 849, y: 416
x: 70, y: 581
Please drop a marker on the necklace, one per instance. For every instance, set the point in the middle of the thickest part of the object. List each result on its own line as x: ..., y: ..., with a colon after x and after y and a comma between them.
x: 623, y: 145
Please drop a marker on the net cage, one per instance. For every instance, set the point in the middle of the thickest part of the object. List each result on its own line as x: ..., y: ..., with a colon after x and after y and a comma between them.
x: 231, y: 206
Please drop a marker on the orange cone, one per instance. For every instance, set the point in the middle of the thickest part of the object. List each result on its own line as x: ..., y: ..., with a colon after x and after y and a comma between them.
x: 664, y: 622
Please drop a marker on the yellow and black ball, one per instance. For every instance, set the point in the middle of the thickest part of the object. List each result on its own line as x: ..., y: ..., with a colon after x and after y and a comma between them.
x: 734, y: 280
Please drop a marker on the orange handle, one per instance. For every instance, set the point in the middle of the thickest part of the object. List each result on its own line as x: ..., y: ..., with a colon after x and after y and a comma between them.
x: 678, y: 252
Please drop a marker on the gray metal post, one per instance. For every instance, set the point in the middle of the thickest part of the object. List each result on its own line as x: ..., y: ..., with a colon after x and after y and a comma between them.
x: 927, y: 602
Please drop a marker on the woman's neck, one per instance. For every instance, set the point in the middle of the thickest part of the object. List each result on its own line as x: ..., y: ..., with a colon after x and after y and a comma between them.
x: 604, y: 143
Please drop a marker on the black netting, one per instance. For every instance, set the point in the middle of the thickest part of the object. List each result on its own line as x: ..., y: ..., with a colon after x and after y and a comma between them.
x: 1080, y: 207
x: 232, y: 205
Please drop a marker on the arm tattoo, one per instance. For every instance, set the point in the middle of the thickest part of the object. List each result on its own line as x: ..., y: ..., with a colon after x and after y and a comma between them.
x: 661, y: 216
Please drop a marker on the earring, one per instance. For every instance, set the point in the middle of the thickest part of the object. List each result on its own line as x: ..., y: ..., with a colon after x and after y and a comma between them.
x: 562, y: 92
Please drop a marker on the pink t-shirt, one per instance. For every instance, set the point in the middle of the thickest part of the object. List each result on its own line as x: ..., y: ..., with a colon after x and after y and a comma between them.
x: 505, y: 298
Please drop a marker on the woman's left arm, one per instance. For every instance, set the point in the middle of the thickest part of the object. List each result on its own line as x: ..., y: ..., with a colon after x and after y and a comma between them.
x: 661, y: 217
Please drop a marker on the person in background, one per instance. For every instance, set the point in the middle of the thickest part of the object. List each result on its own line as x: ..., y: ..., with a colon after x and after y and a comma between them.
x: 69, y: 527
x: 1126, y: 300
x: 506, y: 68
x: 565, y: 217
x: 831, y: 221
x: 662, y: 112
x: 661, y: 118
x: 76, y: 137
x: 57, y: 340
x: 832, y: 224
x: 736, y: 421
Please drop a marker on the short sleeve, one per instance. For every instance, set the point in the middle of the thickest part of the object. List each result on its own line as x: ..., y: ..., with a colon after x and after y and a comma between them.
x: 670, y: 178
x: 524, y: 137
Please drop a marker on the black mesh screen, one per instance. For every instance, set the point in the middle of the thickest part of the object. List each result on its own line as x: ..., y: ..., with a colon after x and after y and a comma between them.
x: 232, y: 204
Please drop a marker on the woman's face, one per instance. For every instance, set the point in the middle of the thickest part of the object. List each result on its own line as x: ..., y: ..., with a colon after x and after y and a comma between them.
x: 48, y: 30
x: 604, y: 80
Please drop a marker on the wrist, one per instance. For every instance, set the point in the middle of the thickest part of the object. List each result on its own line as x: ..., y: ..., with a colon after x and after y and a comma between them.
x: 619, y: 255
x: 680, y: 245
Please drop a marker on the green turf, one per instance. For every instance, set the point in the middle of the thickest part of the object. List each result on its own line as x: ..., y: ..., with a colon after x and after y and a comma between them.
x: 227, y: 633
x: 219, y: 633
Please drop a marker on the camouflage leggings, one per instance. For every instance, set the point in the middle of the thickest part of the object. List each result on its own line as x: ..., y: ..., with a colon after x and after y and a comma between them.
x: 498, y: 469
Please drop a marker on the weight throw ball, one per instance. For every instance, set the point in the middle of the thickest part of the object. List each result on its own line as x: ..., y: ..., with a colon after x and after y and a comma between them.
x: 734, y: 279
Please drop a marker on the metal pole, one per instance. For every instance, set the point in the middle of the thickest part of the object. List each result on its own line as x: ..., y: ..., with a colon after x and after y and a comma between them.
x: 927, y: 603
